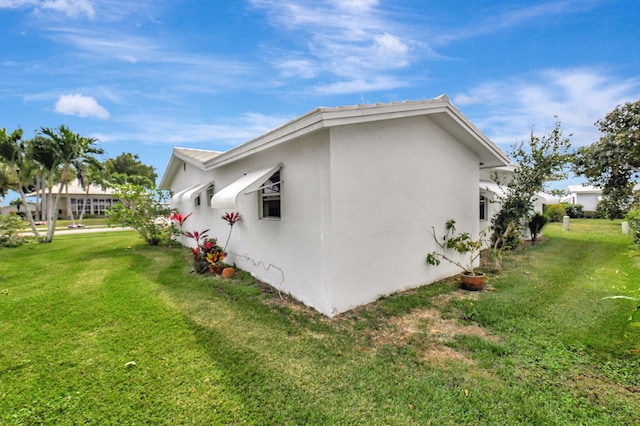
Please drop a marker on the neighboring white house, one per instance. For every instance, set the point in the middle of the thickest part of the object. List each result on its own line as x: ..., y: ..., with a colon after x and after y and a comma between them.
x: 587, y: 195
x: 491, y: 194
x: 337, y: 205
x: 74, y: 198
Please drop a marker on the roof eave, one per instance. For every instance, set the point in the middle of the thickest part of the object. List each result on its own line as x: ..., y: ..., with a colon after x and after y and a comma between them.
x: 439, y: 109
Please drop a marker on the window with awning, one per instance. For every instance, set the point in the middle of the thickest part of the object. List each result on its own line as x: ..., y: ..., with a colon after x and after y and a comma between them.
x: 251, y: 182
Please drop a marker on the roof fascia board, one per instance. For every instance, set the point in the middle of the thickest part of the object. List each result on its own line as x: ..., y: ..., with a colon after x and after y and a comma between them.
x: 463, y: 122
x: 321, y: 118
x: 305, y: 124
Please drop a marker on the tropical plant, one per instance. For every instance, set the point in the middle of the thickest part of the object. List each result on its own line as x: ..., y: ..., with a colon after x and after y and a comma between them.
x: 206, y: 251
x: 14, y: 156
x: 11, y: 227
x: 574, y: 211
x: 231, y: 219
x: 461, y: 243
x: 140, y: 208
x: 540, y: 160
x: 536, y: 223
x: 56, y: 151
x: 177, y: 223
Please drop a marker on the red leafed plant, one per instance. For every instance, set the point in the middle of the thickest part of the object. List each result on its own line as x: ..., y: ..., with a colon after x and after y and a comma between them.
x: 179, y: 218
x: 197, y: 235
x: 177, y: 221
x: 231, y: 218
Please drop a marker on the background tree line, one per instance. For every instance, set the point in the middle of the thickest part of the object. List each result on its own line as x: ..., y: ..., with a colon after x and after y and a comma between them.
x: 48, y: 162
x: 612, y: 163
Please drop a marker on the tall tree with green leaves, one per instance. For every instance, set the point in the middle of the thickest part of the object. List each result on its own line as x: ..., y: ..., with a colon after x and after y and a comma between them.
x: 539, y: 160
x: 613, y: 162
x: 127, y: 168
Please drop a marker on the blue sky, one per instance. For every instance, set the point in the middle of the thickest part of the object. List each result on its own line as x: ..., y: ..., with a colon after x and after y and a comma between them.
x: 144, y: 76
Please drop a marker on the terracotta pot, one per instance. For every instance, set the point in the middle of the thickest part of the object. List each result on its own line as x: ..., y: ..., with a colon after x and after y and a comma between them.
x: 215, y: 269
x: 228, y: 272
x: 472, y: 282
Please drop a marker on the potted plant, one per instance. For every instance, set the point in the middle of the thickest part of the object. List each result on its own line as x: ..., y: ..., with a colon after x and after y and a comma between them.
x: 469, y: 251
x: 215, y: 256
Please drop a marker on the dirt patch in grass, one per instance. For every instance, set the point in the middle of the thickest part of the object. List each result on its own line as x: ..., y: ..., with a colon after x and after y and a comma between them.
x: 425, y: 327
x: 429, y: 324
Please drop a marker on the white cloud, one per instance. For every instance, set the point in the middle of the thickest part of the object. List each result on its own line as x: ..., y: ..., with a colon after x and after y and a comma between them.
x: 390, y: 51
x: 360, y: 85
x: 82, y: 106
x: 71, y: 8
x: 352, y: 40
x: 578, y: 97
x: 301, y: 68
x: 222, y: 132
x: 497, y: 20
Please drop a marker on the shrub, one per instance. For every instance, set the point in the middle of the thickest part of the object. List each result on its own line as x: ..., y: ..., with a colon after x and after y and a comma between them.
x: 11, y: 226
x: 141, y: 208
x: 536, y: 223
x: 633, y: 217
x: 555, y: 212
x: 574, y: 211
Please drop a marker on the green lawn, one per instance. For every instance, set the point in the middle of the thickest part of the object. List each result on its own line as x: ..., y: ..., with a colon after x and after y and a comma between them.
x: 101, y: 329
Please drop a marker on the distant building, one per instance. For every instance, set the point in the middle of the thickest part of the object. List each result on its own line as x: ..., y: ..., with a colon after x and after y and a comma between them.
x: 74, y: 198
x: 586, y: 195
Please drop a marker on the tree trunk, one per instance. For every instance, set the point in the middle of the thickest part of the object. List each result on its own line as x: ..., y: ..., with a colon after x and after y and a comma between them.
x: 25, y: 203
x: 73, y: 220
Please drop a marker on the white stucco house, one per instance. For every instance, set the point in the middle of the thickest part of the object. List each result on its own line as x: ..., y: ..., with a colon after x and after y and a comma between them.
x: 587, y: 195
x: 337, y: 205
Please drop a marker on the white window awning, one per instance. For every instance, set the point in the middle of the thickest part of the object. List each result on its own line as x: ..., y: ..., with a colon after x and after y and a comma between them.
x: 191, y: 193
x: 492, y: 187
x: 227, y: 196
x: 177, y: 197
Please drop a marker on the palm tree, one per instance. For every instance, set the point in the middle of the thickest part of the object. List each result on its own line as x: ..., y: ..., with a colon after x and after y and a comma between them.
x: 8, y: 179
x: 89, y: 174
x: 59, y: 150
x: 14, y: 156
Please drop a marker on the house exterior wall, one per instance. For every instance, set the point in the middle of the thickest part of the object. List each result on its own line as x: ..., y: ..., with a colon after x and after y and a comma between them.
x: 492, y: 206
x: 390, y: 182
x: 188, y: 176
x: 589, y: 201
x: 291, y: 253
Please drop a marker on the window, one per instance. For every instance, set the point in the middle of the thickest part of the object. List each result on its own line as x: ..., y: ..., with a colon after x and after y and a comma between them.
x: 483, y: 207
x: 196, y: 201
x: 270, y: 197
x: 209, y: 195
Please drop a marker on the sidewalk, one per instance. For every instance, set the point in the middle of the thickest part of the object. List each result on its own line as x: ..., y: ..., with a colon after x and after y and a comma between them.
x: 80, y: 230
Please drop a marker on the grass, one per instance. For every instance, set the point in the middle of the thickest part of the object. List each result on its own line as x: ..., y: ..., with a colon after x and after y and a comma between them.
x: 99, y: 328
